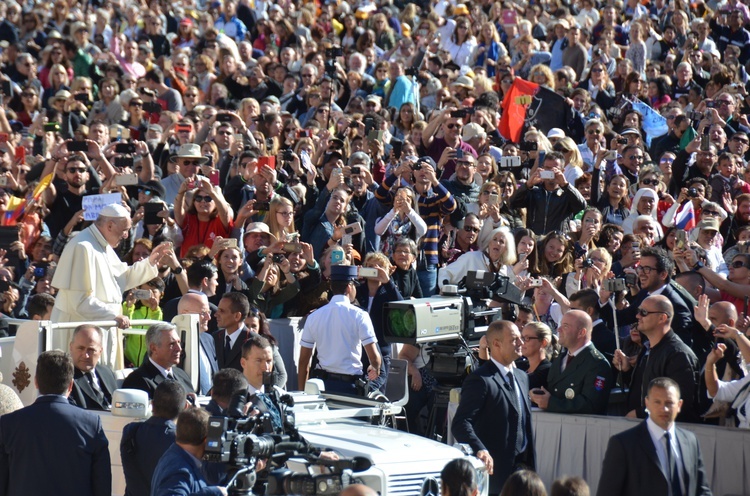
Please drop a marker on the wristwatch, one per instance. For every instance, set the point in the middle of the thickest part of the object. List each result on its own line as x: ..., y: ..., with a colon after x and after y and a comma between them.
x: 698, y: 266
x: 178, y: 270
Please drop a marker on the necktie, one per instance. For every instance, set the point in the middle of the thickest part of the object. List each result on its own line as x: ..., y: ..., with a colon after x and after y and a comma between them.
x: 227, y: 348
x: 674, y: 478
x: 519, y: 425
x: 170, y: 376
x: 100, y: 397
x: 271, y: 410
x: 569, y: 359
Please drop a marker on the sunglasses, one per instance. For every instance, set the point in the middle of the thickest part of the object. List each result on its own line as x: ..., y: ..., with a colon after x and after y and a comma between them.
x: 73, y: 170
x: 666, y: 160
x: 740, y: 140
x: 645, y: 313
x: 452, y: 125
x: 738, y: 264
x: 191, y: 162
x: 649, y: 182
x: 204, y: 199
x: 636, y: 157
x: 470, y: 229
x: 145, y: 191
x: 711, y: 213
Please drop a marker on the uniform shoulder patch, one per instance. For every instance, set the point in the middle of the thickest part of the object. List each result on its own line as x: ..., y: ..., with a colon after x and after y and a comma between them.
x: 599, y: 383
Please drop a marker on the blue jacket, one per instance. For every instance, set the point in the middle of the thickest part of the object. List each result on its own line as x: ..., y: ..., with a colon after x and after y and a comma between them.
x: 179, y: 473
x: 141, y: 447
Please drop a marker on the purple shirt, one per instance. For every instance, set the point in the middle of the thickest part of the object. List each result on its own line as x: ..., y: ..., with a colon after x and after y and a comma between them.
x: 435, y: 150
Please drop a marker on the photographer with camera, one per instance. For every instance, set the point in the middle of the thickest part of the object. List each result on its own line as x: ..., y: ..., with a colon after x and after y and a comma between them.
x: 179, y: 469
x: 548, y: 207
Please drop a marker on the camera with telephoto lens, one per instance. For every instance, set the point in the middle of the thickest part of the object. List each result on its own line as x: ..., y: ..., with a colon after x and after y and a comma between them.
x: 240, y: 441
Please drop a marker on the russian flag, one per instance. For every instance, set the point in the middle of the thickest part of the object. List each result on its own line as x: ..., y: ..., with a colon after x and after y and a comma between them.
x: 685, y: 218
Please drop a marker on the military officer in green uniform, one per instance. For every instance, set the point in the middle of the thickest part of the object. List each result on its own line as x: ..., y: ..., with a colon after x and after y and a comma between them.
x: 579, y: 380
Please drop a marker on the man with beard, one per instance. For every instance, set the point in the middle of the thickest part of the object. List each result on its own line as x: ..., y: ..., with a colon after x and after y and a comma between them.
x: 65, y: 199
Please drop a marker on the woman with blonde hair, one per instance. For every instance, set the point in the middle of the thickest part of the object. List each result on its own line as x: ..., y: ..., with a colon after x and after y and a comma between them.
x: 384, y: 36
x: 489, y: 48
x: 543, y: 75
x: 280, y: 218
x: 573, y: 159
x: 498, y: 255
x: 588, y: 275
x: 538, y: 348
x: 204, y: 72
x: 249, y: 110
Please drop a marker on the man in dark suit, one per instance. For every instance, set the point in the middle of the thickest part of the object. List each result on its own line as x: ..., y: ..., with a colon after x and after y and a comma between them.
x: 655, y: 457
x: 494, y: 414
x: 143, y: 443
x: 602, y: 336
x: 164, y: 351
x: 179, y: 469
x: 198, y: 304
x: 654, y: 277
x: 93, y: 384
x: 580, y: 380
x: 231, y: 313
x: 51, y: 446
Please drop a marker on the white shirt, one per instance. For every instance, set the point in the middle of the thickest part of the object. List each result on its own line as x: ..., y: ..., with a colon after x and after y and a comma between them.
x: 657, y: 436
x: 161, y: 369
x: 340, y: 330
x: 232, y: 337
x: 728, y: 392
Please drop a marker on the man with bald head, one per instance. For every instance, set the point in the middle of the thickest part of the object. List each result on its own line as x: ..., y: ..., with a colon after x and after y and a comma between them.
x: 494, y: 414
x: 668, y: 356
x: 579, y: 380
x: 197, y: 303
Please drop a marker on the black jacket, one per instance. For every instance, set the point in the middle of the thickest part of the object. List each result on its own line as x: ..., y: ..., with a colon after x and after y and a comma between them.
x: 547, y: 210
x: 674, y: 359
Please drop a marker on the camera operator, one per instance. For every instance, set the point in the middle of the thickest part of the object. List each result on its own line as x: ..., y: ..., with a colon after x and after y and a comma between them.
x: 226, y: 382
x: 179, y: 470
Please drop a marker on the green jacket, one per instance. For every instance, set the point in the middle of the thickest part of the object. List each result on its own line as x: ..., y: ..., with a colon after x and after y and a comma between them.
x: 584, y: 385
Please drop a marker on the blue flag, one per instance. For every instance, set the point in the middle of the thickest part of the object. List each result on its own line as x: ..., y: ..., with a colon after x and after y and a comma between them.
x: 654, y: 123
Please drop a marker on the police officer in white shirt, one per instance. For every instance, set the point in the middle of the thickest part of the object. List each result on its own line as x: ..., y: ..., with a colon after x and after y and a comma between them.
x: 339, y: 330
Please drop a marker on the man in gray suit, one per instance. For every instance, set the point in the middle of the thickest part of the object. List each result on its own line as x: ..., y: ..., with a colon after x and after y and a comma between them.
x: 655, y: 457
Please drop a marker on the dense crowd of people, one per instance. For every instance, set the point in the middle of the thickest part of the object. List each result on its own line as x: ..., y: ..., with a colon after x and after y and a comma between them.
x: 594, y: 154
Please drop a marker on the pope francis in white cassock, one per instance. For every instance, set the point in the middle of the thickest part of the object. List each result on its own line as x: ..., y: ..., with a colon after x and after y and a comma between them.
x: 91, y: 278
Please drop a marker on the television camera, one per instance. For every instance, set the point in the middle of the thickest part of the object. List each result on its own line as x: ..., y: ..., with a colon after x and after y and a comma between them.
x: 459, y: 313
x: 292, y: 465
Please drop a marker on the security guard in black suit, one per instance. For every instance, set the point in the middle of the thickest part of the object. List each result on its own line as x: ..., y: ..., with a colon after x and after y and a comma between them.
x: 93, y: 383
x: 580, y: 380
